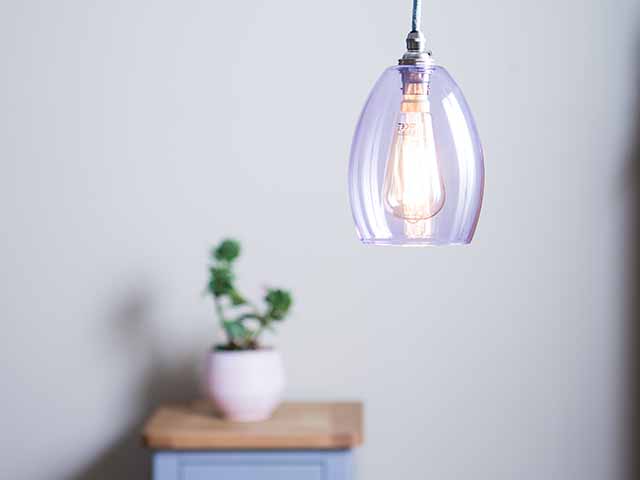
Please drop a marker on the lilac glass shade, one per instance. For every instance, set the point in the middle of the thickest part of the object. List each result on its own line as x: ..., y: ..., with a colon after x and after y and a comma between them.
x: 444, y: 178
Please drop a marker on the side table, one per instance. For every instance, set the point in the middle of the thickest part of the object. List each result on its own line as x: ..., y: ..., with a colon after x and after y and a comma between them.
x: 302, y: 441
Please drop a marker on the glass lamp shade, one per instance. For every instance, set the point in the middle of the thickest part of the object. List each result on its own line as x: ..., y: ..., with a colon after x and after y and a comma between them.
x: 416, y: 172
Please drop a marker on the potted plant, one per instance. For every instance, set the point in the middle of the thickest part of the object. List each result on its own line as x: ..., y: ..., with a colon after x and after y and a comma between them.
x: 245, y: 380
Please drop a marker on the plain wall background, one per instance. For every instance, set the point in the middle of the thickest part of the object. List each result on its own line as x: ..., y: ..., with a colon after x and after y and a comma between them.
x: 134, y: 135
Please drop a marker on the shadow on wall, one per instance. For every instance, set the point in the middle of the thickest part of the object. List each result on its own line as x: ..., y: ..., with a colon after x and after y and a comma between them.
x: 632, y: 282
x: 126, y: 458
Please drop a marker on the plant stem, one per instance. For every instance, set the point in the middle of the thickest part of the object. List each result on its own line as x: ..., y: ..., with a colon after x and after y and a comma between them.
x: 219, y: 309
x: 223, y: 320
x: 264, y: 326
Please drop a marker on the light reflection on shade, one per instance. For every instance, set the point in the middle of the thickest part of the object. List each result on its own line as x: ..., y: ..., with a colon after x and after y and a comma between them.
x: 464, y: 149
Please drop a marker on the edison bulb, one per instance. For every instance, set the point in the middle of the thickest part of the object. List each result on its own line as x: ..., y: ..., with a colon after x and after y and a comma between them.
x: 413, y: 187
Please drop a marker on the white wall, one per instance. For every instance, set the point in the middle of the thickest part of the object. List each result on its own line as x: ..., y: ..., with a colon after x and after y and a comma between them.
x: 135, y: 134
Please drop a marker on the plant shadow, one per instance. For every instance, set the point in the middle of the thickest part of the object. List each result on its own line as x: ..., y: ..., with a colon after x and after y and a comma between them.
x: 161, y: 382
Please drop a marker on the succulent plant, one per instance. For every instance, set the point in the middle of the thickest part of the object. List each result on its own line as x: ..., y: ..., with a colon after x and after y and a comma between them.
x: 242, y: 321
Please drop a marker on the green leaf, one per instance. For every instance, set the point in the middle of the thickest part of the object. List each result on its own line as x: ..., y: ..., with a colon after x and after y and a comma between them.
x: 236, y: 298
x: 248, y: 316
x: 221, y: 281
x: 228, y: 250
x: 236, y: 331
x: 279, y: 302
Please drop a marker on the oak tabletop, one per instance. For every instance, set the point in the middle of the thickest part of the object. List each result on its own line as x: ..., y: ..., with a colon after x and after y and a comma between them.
x: 294, y: 425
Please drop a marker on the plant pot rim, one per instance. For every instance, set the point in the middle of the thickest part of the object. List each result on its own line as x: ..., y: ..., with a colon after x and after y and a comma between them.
x: 216, y: 349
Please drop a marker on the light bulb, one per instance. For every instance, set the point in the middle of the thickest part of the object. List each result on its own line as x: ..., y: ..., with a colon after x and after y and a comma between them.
x: 413, y: 187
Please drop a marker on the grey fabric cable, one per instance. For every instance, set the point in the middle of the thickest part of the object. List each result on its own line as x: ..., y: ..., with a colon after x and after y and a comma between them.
x: 416, y: 16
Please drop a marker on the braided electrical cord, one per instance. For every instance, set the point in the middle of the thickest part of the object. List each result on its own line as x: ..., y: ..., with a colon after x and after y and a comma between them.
x: 416, y: 16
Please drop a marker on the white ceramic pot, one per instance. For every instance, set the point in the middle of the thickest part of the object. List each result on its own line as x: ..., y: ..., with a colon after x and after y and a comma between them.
x: 245, y: 385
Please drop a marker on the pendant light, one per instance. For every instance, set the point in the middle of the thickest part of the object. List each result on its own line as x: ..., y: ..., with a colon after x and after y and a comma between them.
x: 416, y: 172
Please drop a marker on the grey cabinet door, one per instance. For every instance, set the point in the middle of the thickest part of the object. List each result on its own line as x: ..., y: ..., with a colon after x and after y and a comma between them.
x: 275, y: 465
x: 253, y: 472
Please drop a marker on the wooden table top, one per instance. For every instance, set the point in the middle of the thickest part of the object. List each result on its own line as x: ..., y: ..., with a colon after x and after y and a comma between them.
x: 295, y: 425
